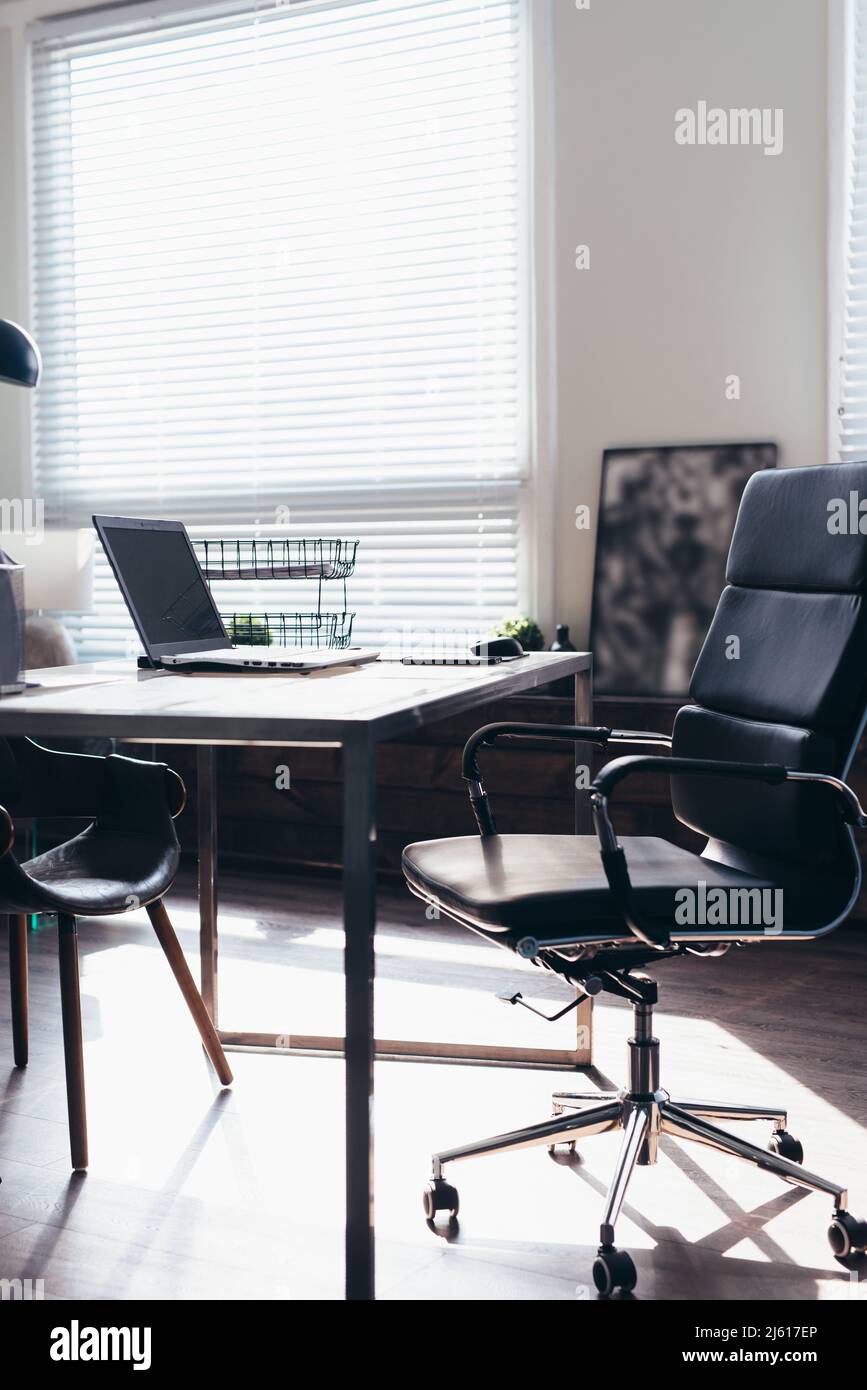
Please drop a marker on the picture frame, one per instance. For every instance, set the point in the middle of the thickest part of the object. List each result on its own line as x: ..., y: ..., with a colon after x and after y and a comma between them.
x: 665, y: 519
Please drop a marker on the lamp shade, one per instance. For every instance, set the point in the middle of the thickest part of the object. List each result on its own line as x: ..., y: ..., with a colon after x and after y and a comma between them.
x: 58, y: 571
x: 20, y: 362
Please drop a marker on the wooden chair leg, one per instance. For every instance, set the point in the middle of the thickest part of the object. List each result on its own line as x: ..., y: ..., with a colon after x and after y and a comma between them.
x: 165, y: 934
x: 73, y: 1046
x: 19, y: 987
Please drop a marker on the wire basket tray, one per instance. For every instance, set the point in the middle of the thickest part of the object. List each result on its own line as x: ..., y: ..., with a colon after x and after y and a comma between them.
x: 289, y: 629
x: 304, y: 558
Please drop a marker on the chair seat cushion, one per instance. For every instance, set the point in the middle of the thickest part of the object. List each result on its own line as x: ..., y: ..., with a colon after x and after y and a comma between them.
x: 96, y: 873
x: 549, y: 883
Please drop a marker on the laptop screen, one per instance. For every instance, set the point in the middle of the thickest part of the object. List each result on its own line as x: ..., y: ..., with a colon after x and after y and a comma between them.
x: 163, y: 586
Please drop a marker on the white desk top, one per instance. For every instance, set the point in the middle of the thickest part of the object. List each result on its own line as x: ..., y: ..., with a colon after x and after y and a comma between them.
x: 376, y: 701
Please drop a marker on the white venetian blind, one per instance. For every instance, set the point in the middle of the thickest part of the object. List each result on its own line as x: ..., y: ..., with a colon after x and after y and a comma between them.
x: 279, y: 286
x: 850, y: 377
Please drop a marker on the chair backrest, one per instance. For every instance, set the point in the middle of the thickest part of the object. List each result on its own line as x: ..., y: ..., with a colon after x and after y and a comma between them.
x: 782, y: 675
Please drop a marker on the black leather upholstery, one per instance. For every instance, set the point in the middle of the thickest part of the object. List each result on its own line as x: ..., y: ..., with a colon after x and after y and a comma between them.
x: 96, y: 873
x: 782, y: 540
x: 543, y: 884
x: 794, y: 688
x: 768, y: 820
x: 126, y: 858
x: 800, y: 658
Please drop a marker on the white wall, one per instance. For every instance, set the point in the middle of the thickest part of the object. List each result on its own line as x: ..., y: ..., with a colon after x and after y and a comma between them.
x: 703, y: 261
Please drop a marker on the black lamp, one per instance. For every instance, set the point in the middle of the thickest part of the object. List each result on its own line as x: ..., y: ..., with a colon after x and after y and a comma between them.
x: 20, y: 362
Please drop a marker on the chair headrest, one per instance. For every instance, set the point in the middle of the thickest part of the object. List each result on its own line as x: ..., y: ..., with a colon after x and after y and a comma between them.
x: 802, y: 529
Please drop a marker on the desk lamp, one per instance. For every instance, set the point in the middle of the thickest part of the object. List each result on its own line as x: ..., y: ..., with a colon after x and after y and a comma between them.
x: 20, y: 363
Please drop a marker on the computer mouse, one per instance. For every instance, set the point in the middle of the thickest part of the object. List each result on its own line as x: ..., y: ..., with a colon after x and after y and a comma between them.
x: 498, y: 646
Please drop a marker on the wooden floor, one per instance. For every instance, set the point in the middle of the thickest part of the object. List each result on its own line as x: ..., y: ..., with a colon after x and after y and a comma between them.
x: 194, y: 1193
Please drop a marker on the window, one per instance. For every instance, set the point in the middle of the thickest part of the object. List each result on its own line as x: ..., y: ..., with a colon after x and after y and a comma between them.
x: 279, y: 279
x: 849, y: 238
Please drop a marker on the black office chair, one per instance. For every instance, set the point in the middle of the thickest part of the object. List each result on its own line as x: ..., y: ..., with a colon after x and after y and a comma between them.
x: 126, y: 858
x: 778, y: 704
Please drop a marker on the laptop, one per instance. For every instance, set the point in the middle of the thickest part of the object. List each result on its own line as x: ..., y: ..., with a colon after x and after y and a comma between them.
x: 174, y: 611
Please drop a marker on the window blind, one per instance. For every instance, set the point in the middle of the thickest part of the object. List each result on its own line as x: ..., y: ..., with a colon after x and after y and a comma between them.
x: 850, y: 377
x: 279, y: 282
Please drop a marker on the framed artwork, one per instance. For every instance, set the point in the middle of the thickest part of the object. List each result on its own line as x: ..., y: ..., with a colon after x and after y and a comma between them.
x: 666, y: 516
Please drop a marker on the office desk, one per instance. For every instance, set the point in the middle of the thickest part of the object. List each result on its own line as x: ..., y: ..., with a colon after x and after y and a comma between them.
x: 353, y: 709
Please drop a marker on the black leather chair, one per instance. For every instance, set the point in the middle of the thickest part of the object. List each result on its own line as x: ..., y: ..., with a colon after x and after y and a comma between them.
x: 126, y: 858
x: 757, y: 762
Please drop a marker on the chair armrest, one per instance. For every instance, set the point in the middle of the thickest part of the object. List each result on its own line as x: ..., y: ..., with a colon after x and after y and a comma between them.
x: 853, y: 811
x: 571, y: 733
x: 59, y: 784
x: 614, y: 772
x: 487, y: 736
x: 613, y: 858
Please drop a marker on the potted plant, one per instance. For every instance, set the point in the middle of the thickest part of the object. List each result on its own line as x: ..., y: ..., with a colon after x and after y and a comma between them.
x: 527, y: 632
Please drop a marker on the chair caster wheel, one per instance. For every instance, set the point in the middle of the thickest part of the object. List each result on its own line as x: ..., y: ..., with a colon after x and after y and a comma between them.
x: 566, y: 1147
x: 847, y: 1235
x: 439, y: 1195
x: 612, y: 1270
x: 784, y: 1144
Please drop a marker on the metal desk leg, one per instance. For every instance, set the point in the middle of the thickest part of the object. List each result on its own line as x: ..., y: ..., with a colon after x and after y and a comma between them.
x: 560, y: 1059
x: 583, y: 826
x: 206, y: 793
x: 359, y: 923
x: 583, y: 751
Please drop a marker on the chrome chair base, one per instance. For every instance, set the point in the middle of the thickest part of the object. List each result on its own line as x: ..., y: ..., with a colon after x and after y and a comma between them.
x: 643, y: 1111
